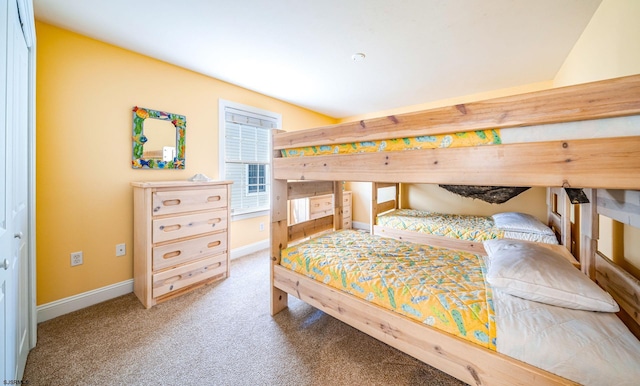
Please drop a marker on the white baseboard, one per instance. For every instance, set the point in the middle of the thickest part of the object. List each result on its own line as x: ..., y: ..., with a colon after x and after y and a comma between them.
x: 249, y: 249
x: 99, y: 295
x: 80, y: 301
x: 361, y: 226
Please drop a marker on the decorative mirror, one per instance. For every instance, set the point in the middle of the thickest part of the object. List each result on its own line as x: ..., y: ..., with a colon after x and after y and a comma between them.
x: 158, y: 139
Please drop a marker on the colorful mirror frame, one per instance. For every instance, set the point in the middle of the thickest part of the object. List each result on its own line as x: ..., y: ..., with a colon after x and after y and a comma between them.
x: 139, y: 139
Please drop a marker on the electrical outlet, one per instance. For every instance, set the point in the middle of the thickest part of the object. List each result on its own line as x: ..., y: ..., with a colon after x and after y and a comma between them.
x: 261, y: 226
x: 121, y: 249
x: 76, y: 258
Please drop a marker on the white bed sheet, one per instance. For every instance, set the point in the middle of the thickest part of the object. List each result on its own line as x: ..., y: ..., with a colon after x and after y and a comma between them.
x: 591, y: 348
x: 537, y: 237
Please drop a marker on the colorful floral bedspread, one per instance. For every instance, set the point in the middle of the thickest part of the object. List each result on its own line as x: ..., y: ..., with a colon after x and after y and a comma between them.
x: 470, y: 138
x: 436, y: 286
x: 464, y: 227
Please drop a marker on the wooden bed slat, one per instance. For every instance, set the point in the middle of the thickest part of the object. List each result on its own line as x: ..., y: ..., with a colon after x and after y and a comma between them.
x: 623, y: 287
x: 611, y: 162
x: 302, y: 189
x: 424, y: 238
x: 309, y: 228
x: 468, y: 362
x: 386, y: 206
x: 603, y: 99
x: 620, y: 205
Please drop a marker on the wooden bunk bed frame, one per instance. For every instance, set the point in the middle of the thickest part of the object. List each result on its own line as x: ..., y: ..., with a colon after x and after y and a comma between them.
x: 611, y: 163
x: 558, y: 219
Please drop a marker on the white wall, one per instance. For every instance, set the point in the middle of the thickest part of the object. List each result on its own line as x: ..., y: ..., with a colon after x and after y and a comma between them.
x: 608, y: 48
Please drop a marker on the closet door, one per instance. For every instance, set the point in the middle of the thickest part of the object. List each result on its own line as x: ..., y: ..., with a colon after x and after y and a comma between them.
x: 7, y: 358
x: 14, y: 190
x: 18, y: 91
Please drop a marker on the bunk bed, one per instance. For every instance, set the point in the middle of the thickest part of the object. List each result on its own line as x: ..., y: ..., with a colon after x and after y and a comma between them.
x: 388, y: 218
x: 583, y: 136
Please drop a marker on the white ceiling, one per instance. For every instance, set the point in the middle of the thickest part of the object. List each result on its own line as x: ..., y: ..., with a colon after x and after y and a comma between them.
x: 301, y: 51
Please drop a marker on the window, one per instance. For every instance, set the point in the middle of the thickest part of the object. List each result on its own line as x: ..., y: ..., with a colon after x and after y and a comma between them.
x: 257, y: 182
x: 245, y: 156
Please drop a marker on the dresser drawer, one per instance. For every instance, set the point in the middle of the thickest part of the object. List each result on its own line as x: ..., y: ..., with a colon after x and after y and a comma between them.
x: 346, y: 199
x: 166, y: 229
x: 320, y: 206
x: 178, y: 201
x: 169, y: 255
x: 188, y: 274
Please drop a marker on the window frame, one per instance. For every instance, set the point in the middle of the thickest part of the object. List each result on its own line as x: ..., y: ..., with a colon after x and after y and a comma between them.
x: 222, y: 106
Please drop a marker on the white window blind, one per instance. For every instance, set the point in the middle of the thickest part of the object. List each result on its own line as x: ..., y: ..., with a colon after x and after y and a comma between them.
x: 247, y: 157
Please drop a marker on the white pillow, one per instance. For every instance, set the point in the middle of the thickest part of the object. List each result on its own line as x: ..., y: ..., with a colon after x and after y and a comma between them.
x: 520, y: 222
x: 536, y: 273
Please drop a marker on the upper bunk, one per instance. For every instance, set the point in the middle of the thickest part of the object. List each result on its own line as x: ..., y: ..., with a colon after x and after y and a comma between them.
x: 582, y: 136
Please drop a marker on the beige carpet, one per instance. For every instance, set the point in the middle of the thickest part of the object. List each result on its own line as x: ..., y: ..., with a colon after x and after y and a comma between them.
x: 221, y: 334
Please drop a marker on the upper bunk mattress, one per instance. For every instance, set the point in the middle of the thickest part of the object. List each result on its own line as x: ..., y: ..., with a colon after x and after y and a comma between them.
x: 462, y: 139
x: 458, y: 226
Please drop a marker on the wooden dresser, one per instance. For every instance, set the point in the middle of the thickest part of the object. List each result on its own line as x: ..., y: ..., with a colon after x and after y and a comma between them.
x: 320, y: 206
x: 180, y: 237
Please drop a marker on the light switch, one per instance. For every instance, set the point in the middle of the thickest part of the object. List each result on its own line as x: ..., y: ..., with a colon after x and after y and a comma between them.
x: 168, y: 153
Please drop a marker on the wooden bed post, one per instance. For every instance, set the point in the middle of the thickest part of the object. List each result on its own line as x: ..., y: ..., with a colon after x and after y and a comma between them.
x: 588, y: 234
x: 337, y: 205
x: 374, y: 206
x: 279, y: 235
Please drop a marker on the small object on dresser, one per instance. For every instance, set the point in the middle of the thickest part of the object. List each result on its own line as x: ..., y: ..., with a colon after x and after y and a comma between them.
x: 200, y: 177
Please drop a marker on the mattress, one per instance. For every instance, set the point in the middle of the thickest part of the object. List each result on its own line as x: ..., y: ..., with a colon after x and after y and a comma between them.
x: 462, y: 139
x: 463, y: 227
x: 435, y: 286
x: 446, y: 289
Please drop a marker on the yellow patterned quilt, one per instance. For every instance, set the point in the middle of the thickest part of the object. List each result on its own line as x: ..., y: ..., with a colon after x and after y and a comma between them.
x: 440, y: 287
x: 464, y: 227
x: 470, y: 138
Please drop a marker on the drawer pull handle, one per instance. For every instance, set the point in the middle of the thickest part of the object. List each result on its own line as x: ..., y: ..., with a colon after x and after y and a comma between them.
x: 213, y: 244
x: 213, y: 198
x: 171, y: 202
x: 170, y: 228
x: 214, y: 221
x: 171, y: 255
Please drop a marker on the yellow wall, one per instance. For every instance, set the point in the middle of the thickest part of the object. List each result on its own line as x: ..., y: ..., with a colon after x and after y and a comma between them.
x: 434, y: 198
x: 608, y: 48
x: 85, y: 92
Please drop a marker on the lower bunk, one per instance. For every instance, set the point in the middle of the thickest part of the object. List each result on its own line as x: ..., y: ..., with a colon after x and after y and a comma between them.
x: 387, y: 216
x: 435, y: 304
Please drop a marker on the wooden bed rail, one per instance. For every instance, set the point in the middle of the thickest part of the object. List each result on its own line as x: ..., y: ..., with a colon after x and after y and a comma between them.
x: 603, y: 99
x: 588, y: 163
x: 623, y: 287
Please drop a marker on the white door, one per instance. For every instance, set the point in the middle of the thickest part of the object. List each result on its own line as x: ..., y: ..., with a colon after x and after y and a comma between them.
x: 6, y: 237
x: 14, y: 188
x: 19, y: 183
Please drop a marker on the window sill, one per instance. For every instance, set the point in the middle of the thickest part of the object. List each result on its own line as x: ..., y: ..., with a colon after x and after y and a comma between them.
x: 248, y: 215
